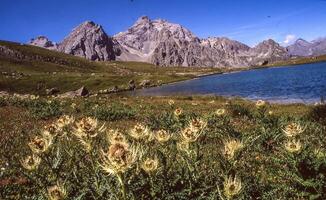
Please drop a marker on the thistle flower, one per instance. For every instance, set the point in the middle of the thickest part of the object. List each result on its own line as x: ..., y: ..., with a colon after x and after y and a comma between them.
x: 88, y: 127
x: 119, y: 158
x: 293, y: 129
x: 189, y: 135
x: 178, y: 112
x: 139, y: 132
x: 150, y: 165
x: 115, y: 136
x: 73, y: 105
x: 183, y: 146
x: 31, y: 162
x: 197, y: 124
x: 57, y: 192
x: 39, y: 145
x: 232, y: 187
x: 162, y: 136
x: 171, y: 102
x: 231, y: 147
x: 64, y: 121
x: 293, y: 146
x: 220, y: 112
x: 260, y: 103
x: 50, y: 130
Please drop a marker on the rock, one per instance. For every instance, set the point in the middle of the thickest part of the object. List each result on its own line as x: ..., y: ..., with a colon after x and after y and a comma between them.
x: 114, y: 89
x: 44, y: 42
x: 145, y: 83
x: 52, y: 91
x: 131, y: 85
x: 82, y: 92
x: 90, y: 41
x: 4, y: 94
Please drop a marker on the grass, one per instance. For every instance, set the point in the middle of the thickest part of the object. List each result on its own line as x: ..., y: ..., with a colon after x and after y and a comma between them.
x: 68, y: 72
x: 184, y: 167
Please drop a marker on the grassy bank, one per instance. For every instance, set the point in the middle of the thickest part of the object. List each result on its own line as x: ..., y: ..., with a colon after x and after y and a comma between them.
x: 185, y: 148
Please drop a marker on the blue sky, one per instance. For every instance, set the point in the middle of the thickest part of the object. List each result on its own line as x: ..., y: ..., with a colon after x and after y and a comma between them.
x: 249, y: 21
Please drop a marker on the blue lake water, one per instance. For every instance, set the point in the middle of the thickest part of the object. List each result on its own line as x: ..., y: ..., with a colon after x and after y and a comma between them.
x: 300, y: 84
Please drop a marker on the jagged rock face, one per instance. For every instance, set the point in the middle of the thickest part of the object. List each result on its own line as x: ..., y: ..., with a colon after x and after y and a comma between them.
x: 44, y: 42
x: 167, y: 44
x: 268, y: 51
x: 90, y: 41
x: 144, y: 38
x: 304, y: 48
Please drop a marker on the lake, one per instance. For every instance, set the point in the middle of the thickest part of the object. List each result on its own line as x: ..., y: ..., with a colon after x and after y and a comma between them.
x: 290, y: 84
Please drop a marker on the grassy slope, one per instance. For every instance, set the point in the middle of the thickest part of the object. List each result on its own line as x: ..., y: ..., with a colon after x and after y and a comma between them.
x: 78, y: 71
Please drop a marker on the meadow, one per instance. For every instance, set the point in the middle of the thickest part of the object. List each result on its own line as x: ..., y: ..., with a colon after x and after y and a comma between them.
x: 120, y: 147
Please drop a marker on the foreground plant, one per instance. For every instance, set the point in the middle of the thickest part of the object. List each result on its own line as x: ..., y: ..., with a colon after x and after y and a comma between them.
x: 39, y: 145
x: 231, y: 147
x: 57, y: 192
x: 293, y: 146
x: 232, y: 187
x: 31, y: 162
x: 293, y: 129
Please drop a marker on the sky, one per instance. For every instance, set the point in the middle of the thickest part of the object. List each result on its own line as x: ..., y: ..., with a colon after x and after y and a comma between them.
x: 248, y: 21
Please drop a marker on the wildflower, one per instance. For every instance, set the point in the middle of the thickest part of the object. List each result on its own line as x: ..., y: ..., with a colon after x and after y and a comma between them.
x: 57, y: 192
x: 178, y: 112
x: 150, y: 165
x: 119, y: 158
x: 270, y: 112
x: 88, y: 127
x: 232, y: 187
x: 319, y: 153
x: 293, y: 129
x: 171, y: 102
x: 183, y: 146
x: 39, y: 145
x: 73, y: 105
x: 31, y: 162
x: 293, y: 146
x: 139, y: 132
x: 115, y: 136
x: 64, y: 121
x: 197, y: 124
x: 220, y: 112
x: 260, y: 103
x: 162, y: 136
x: 231, y: 147
x: 190, y: 135
x: 50, y: 130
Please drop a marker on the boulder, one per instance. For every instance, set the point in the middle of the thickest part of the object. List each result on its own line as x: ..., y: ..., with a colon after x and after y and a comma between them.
x: 52, y: 91
x: 145, y: 83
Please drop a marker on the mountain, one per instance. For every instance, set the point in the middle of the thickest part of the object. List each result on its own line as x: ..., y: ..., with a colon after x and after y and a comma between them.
x: 163, y: 43
x: 303, y: 48
x: 90, y: 41
x: 43, y: 41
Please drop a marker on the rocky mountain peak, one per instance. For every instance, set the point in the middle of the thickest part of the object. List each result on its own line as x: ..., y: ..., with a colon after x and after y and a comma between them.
x: 42, y: 41
x: 90, y: 41
x: 143, y: 20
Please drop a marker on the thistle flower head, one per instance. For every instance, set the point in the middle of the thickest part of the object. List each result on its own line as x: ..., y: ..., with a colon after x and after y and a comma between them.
x: 183, y: 146
x: 162, y: 136
x: 119, y: 158
x: 178, y: 112
x: 232, y: 186
x: 88, y: 127
x: 189, y: 135
x: 260, y: 103
x: 50, y: 130
x: 64, y: 121
x: 115, y: 136
x: 150, y: 165
x: 57, y: 192
x: 171, y: 102
x: 293, y: 129
x: 220, y: 112
x: 197, y: 124
x: 231, y: 147
x: 31, y: 162
x: 139, y: 132
x: 39, y: 145
x: 293, y: 146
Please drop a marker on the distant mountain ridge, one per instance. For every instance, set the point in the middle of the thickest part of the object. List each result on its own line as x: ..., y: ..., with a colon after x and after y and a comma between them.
x: 166, y: 44
x: 304, y: 48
